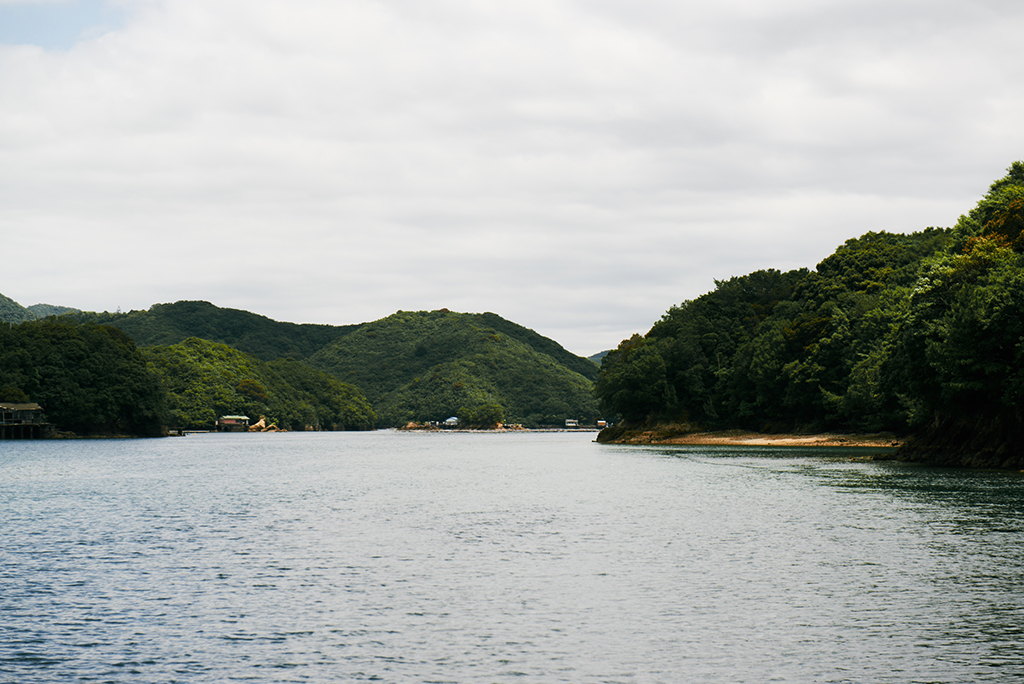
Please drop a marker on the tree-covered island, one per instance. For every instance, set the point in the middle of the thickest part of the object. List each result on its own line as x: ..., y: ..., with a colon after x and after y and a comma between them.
x: 920, y: 334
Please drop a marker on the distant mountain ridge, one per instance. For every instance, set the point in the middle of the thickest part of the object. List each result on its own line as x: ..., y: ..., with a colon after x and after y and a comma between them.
x: 267, y: 339
x: 417, y: 366
x: 44, y: 310
x: 205, y: 380
x: 540, y: 344
x: 264, y: 338
x: 13, y: 312
x: 428, y: 365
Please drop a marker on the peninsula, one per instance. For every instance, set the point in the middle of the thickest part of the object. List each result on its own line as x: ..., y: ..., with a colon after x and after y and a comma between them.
x: 917, y: 335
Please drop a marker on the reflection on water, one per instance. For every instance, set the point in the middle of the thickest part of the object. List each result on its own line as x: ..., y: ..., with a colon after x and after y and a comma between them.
x: 492, y: 558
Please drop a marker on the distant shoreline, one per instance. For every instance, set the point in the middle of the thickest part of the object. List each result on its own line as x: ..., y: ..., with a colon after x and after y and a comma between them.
x: 434, y: 428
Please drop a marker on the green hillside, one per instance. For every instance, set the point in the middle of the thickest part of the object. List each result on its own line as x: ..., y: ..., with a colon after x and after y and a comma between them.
x: 205, y: 380
x: 89, y: 379
x: 919, y: 334
x: 411, y: 366
x: 432, y: 365
x: 539, y: 343
x: 264, y: 338
x: 12, y: 312
x: 44, y: 310
x: 776, y: 351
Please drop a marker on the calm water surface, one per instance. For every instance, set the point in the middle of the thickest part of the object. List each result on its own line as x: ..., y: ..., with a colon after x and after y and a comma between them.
x: 538, y: 557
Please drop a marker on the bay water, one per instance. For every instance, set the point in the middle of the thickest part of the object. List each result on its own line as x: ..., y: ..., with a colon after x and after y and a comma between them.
x: 517, y: 557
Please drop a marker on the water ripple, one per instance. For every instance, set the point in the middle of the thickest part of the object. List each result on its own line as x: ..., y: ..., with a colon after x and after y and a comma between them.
x: 499, y: 558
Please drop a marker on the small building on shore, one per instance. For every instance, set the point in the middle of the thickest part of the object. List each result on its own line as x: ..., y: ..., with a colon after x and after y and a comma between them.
x: 23, y: 421
x: 233, y: 424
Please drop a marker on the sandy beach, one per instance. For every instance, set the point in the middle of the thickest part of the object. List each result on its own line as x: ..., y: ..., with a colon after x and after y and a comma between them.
x: 741, y: 438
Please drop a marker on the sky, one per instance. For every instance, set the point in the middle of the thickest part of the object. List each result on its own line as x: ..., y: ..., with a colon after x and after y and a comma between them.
x: 575, y: 166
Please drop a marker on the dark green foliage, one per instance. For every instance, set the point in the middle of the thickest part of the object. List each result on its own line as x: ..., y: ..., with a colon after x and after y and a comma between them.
x: 478, y: 363
x: 485, y: 416
x: 922, y: 331
x: 336, y: 405
x: 774, y: 351
x: 633, y: 381
x: 417, y: 366
x: 681, y: 368
x: 1000, y: 212
x: 89, y: 379
x: 206, y: 380
x: 957, y: 366
x: 14, y: 394
x: 539, y: 343
x: 165, y: 324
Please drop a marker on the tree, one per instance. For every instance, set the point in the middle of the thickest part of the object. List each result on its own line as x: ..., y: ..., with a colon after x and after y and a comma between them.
x: 89, y: 379
x: 633, y: 381
x: 482, y: 416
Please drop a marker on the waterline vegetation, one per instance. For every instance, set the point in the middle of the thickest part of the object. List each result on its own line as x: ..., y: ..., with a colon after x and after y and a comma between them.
x: 920, y: 334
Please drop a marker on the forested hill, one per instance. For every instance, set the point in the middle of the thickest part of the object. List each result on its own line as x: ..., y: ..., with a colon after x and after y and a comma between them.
x: 204, y: 380
x: 264, y: 338
x: 13, y: 312
x: 89, y: 379
x: 46, y: 310
x: 421, y: 366
x: 428, y: 365
x: 92, y: 380
x: 920, y: 334
x: 540, y: 344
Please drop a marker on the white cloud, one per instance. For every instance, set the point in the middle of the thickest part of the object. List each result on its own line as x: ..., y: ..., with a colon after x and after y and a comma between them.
x: 576, y: 167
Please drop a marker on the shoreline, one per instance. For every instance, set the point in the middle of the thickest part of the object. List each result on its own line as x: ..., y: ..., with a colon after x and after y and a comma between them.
x: 744, y: 438
x: 503, y: 430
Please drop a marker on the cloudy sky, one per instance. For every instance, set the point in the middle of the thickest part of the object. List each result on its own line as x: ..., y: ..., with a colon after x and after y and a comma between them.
x: 575, y: 166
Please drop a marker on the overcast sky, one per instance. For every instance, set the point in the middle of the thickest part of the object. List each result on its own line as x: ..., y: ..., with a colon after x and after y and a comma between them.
x: 574, y: 166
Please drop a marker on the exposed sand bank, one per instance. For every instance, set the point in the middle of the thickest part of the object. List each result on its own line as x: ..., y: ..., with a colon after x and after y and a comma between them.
x: 740, y: 438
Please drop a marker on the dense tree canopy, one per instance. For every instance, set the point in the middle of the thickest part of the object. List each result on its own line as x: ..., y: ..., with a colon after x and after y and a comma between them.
x: 921, y: 332
x: 205, y: 380
x: 427, y: 365
x: 166, y: 324
x: 957, y: 356
x: 209, y: 361
x: 12, y: 312
x: 89, y: 379
x: 775, y: 350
